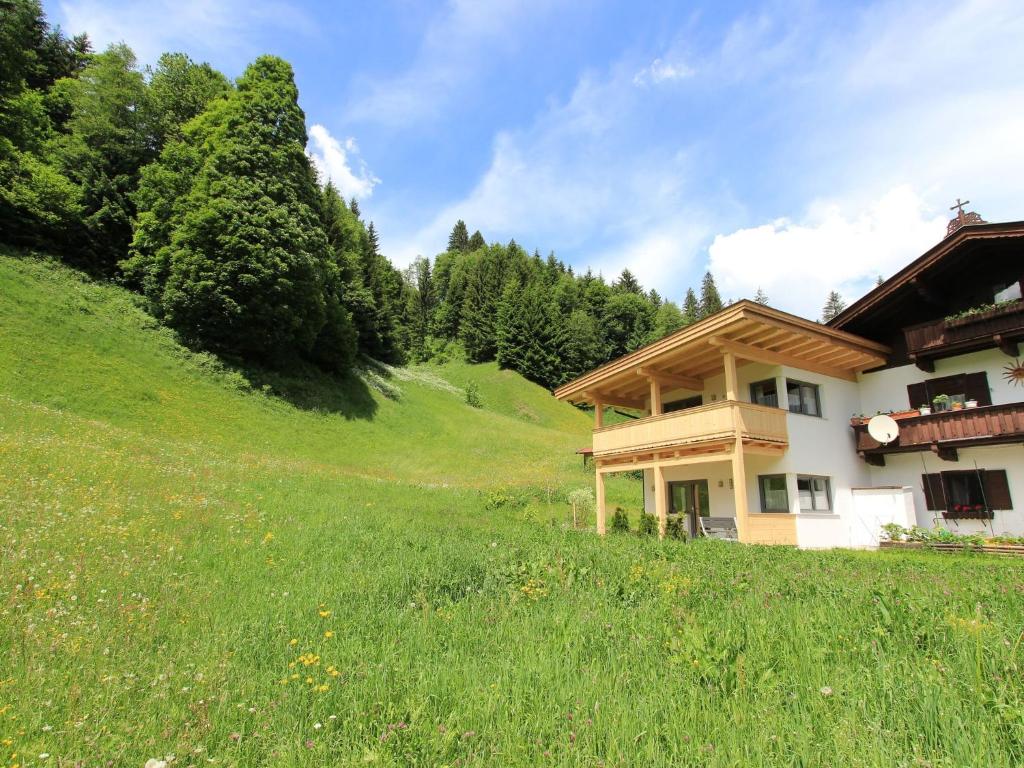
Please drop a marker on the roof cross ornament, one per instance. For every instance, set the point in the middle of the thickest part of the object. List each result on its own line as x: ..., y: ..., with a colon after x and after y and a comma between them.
x: 962, y: 217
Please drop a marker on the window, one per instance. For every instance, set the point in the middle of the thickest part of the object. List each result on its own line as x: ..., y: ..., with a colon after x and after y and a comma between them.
x: 764, y: 393
x: 815, y: 493
x: 1007, y: 292
x: 803, y: 398
x: 680, y: 405
x: 967, y: 493
x: 774, y: 495
x: 959, y: 388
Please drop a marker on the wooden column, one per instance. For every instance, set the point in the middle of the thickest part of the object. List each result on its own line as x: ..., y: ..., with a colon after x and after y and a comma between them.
x: 661, y: 500
x: 731, y: 386
x: 601, y: 528
x: 739, y: 485
x: 656, y: 409
x: 598, y: 414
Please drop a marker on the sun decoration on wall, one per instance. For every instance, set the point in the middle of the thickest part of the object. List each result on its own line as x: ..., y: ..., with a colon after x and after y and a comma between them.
x: 1014, y: 373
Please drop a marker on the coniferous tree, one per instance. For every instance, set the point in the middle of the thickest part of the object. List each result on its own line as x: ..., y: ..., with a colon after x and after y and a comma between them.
x: 477, y: 322
x: 879, y: 281
x: 710, y: 300
x: 667, y: 318
x: 476, y: 242
x: 581, y: 346
x: 528, y: 333
x: 834, y: 304
x: 627, y: 282
x: 628, y: 322
x: 458, y: 240
x: 761, y: 297
x: 353, y: 205
x: 691, y: 308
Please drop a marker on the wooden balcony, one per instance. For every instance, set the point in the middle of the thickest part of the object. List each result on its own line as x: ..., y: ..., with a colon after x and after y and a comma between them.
x: 704, y: 429
x: 1002, y: 326
x: 944, y: 432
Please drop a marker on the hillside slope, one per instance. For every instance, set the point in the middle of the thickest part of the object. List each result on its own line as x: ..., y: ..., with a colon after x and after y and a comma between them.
x: 194, y: 571
x: 101, y: 358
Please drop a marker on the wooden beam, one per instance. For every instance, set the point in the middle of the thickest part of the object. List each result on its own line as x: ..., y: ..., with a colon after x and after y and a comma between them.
x: 873, y: 459
x: 927, y: 292
x: 683, y: 460
x: 1006, y: 346
x: 739, y: 485
x: 758, y: 355
x: 656, y: 409
x: 944, y: 452
x: 731, y: 382
x: 598, y: 414
x: 622, y: 402
x: 664, y: 377
x: 925, y: 364
x: 600, y: 506
x: 661, y: 499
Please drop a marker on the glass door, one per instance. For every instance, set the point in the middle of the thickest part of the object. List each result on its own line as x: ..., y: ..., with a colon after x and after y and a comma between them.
x: 689, y: 498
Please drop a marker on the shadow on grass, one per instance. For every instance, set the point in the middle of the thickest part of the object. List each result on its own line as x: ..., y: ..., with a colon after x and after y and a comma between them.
x: 308, y: 388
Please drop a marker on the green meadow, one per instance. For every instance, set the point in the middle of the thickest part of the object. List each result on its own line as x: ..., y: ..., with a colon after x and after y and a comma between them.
x: 204, y: 566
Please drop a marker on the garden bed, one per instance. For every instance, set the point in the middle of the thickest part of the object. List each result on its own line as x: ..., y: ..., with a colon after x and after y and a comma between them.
x: 993, y: 549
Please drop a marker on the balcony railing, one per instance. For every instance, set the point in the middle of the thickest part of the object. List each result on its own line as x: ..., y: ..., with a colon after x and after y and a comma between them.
x: 990, y: 424
x: 993, y: 326
x: 693, y: 427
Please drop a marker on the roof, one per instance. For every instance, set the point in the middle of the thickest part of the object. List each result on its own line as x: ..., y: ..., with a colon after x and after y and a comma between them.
x: 750, y: 330
x: 921, y: 265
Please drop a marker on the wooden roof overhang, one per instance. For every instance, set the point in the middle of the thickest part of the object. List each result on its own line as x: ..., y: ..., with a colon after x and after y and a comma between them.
x: 751, y: 331
x: 887, y: 301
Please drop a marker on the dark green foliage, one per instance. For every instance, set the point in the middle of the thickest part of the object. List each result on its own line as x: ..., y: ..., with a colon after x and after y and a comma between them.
x: 620, y: 521
x: 629, y: 320
x: 581, y: 345
x: 528, y: 333
x: 648, y: 525
x: 476, y: 242
x: 675, y: 528
x: 834, y: 304
x: 710, y: 300
x: 248, y: 269
x: 458, y: 240
x: 472, y: 395
x: 179, y: 90
x: 691, y: 308
x: 667, y: 318
x: 628, y: 283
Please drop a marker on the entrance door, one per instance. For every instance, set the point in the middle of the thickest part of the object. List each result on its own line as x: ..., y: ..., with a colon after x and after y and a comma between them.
x: 690, y: 498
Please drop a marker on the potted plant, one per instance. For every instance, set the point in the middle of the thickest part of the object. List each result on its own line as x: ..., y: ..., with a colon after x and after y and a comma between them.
x: 971, y: 403
x: 940, y: 403
x: 925, y: 410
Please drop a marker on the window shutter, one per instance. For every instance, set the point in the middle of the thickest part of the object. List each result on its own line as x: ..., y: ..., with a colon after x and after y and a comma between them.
x: 976, y: 388
x: 997, y: 489
x: 918, y: 395
x: 934, y: 495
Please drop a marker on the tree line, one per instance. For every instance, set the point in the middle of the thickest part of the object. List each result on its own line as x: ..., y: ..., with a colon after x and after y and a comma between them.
x: 197, y: 192
x: 193, y: 190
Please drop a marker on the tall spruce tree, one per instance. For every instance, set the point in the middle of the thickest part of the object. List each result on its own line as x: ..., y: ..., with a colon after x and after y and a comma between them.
x: 691, y: 308
x: 761, y: 297
x: 528, y: 333
x: 710, y: 300
x: 628, y: 282
x: 476, y: 242
x: 458, y: 240
x: 834, y: 304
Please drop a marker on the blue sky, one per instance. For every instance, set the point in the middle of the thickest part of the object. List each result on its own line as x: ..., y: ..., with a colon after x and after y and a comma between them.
x: 794, y: 146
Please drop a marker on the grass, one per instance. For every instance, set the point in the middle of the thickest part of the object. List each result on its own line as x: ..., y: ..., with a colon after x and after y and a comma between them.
x: 322, y: 574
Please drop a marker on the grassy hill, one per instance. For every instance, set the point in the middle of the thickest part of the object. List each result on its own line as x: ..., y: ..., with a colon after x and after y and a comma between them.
x: 303, y: 571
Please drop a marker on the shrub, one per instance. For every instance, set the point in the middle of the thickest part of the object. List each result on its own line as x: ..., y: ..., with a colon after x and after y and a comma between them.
x: 894, y: 531
x: 675, y: 528
x: 582, y: 502
x: 473, y: 395
x: 504, y: 498
x: 648, y: 525
x: 620, y: 521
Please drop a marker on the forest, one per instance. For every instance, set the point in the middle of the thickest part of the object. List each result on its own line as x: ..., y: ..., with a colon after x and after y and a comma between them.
x: 197, y: 193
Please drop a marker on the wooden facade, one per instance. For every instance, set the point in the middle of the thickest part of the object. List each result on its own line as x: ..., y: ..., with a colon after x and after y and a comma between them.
x: 942, y: 433
x: 1001, y: 327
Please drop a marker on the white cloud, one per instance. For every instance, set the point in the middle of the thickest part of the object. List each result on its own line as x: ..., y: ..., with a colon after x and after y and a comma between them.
x: 659, y: 71
x: 798, y: 263
x: 225, y: 28
x: 334, y: 162
x: 460, y: 43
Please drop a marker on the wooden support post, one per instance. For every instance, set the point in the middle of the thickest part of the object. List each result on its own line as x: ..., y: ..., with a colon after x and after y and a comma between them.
x: 739, y: 484
x: 598, y: 414
x: 731, y: 386
x: 600, y: 508
x: 661, y: 500
x: 656, y: 409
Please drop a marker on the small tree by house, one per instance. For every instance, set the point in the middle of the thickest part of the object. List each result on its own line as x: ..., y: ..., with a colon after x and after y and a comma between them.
x: 834, y: 304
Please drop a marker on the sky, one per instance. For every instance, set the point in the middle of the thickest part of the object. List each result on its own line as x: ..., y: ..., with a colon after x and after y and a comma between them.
x: 797, y: 147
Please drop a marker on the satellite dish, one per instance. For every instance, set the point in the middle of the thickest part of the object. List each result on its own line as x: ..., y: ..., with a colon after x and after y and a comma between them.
x: 883, y: 428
